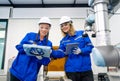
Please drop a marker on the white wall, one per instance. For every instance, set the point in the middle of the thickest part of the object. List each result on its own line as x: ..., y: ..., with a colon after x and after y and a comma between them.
x: 4, y: 12
x: 115, y: 28
x: 50, y: 12
x: 9, y: 12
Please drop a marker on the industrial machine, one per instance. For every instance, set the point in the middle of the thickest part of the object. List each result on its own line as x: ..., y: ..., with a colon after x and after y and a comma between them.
x: 104, y: 54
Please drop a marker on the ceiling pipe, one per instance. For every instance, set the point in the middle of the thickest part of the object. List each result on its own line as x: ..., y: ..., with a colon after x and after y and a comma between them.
x: 11, y: 3
x: 74, y: 3
x: 43, y: 5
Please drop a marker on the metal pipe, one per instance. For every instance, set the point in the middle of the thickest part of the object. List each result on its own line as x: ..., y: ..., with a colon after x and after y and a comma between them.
x: 106, y: 56
x: 102, y: 23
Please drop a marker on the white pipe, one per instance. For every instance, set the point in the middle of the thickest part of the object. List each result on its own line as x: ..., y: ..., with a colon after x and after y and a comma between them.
x: 102, y: 23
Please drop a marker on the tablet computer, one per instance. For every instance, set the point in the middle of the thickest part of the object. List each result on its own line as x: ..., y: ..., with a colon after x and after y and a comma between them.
x: 36, y: 50
x: 71, y: 46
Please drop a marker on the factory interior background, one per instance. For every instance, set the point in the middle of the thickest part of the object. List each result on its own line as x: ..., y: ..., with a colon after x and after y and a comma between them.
x: 17, y: 20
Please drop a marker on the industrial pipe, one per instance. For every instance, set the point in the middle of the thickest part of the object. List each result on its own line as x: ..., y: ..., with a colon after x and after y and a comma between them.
x: 104, y: 54
x: 102, y: 22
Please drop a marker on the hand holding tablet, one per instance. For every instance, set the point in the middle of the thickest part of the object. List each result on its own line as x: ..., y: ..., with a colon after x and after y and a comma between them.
x: 70, y: 47
x: 36, y: 50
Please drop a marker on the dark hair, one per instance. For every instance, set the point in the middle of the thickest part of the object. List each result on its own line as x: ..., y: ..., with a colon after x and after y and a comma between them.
x: 37, y: 36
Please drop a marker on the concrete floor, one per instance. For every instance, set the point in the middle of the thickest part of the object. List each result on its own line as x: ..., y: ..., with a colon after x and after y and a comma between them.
x: 111, y: 78
x: 3, y: 78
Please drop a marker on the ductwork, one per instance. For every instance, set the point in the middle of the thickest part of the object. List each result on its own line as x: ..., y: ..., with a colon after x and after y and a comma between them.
x: 102, y: 22
x: 104, y: 54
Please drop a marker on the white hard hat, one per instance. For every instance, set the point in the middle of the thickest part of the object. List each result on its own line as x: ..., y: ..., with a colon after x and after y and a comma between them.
x: 45, y: 20
x: 65, y: 19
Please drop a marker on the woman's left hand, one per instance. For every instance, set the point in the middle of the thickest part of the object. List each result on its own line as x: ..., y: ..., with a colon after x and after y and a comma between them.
x: 76, y: 51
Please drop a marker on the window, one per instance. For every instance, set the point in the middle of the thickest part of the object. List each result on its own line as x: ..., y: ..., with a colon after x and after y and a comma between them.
x: 3, y: 31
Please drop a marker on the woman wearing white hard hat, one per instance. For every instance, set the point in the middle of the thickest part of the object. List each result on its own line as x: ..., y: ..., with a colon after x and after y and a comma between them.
x: 78, y: 63
x: 26, y: 67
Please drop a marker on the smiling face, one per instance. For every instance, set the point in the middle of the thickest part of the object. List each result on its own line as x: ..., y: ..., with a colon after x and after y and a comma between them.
x: 65, y: 27
x: 44, y: 29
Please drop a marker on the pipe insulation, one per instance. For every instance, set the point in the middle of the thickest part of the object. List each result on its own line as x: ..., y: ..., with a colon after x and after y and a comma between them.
x: 102, y: 22
x: 106, y: 56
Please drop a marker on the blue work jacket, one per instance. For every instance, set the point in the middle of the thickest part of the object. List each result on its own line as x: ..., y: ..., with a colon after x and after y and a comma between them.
x: 75, y: 63
x: 26, y: 67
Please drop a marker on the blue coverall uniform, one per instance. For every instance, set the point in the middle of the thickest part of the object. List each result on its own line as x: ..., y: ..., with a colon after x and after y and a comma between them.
x: 26, y: 67
x: 80, y: 62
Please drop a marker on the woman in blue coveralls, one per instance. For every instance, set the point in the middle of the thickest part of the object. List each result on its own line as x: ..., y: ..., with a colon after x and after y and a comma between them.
x: 78, y: 63
x: 25, y: 67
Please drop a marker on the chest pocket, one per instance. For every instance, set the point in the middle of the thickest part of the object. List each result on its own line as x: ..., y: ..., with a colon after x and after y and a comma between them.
x: 81, y: 42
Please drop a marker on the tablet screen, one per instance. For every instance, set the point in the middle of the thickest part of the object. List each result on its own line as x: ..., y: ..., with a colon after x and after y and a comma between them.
x: 36, y: 50
x: 71, y: 46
